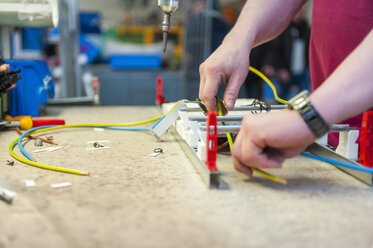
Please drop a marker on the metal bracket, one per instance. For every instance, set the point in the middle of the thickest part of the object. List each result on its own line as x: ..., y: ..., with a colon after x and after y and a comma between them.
x: 319, y: 150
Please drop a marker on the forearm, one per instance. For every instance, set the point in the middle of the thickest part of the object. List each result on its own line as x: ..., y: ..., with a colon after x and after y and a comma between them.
x: 262, y: 20
x: 349, y: 89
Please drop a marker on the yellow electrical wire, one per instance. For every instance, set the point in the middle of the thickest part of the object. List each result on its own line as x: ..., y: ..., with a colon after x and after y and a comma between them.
x: 66, y: 170
x: 259, y: 171
x: 53, y: 168
x: 43, y: 166
x: 262, y: 76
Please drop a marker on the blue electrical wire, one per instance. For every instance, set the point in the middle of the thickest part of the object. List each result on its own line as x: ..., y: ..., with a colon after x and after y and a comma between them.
x: 24, y: 152
x: 28, y: 155
x: 158, y: 122
x: 127, y: 129
x: 339, y: 163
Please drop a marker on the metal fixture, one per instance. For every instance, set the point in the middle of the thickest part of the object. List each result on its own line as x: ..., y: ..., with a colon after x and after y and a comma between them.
x: 38, y: 142
x: 158, y: 150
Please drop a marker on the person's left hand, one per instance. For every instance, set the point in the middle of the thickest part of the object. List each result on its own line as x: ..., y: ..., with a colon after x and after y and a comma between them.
x: 266, y: 140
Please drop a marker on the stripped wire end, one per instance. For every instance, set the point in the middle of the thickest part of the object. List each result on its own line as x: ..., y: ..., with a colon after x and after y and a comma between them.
x: 282, y: 181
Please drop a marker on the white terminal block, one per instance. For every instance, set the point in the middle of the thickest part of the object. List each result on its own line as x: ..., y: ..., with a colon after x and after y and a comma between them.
x: 347, y: 146
x: 166, y: 121
x: 323, y: 140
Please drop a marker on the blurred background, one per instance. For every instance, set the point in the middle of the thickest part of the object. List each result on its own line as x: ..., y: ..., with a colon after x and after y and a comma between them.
x: 110, y: 52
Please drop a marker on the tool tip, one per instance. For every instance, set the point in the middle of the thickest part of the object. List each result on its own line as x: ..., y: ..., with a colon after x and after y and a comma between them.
x: 164, y: 41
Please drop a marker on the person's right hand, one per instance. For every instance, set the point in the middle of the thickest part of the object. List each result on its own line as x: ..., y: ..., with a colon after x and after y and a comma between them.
x: 228, y: 64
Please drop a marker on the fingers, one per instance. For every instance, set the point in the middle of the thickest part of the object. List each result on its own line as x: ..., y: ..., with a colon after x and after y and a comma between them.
x: 201, y: 82
x: 210, y: 90
x: 240, y: 167
x: 232, y: 89
x: 4, y: 67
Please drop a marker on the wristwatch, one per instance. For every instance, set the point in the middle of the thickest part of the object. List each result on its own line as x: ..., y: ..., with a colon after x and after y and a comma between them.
x: 313, y: 119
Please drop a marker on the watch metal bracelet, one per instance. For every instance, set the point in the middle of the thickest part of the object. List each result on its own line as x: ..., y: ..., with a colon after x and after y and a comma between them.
x: 313, y: 119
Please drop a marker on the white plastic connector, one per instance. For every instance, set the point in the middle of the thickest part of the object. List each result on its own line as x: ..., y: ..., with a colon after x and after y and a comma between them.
x: 347, y: 146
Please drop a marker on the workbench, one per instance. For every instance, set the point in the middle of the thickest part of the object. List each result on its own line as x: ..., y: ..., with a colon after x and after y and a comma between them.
x: 133, y: 200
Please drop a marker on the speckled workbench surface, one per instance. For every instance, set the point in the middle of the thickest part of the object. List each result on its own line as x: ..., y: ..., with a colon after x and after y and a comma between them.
x: 133, y: 200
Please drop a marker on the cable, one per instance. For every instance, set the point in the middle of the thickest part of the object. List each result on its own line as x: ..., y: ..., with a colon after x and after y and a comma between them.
x: 259, y: 171
x: 323, y: 159
x: 19, y: 142
x: 33, y: 137
x: 113, y: 126
x: 262, y: 76
x: 47, y: 167
x: 44, y: 128
x: 336, y: 162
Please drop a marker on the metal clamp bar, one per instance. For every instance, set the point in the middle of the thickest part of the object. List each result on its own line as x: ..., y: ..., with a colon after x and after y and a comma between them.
x: 236, y: 128
x: 239, y: 108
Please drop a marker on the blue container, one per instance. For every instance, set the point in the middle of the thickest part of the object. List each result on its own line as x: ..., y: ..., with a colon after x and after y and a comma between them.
x: 88, y: 48
x: 33, y: 90
x: 32, y: 38
x: 90, y: 22
x: 151, y: 61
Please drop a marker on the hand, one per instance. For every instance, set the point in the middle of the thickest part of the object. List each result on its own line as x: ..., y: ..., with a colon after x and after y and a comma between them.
x: 228, y: 64
x: 266, y: 140
x: 4, y: 67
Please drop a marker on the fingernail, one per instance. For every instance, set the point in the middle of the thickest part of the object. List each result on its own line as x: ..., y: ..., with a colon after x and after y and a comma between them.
x: 230, y: 104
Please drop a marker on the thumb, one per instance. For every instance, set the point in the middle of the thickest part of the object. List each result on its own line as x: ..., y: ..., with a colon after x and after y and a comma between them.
x: 232, y: 89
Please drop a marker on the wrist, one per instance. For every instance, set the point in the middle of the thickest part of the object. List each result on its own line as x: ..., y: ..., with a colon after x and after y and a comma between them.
x: 315, y: 122
x: 237, y: 36
x: 326, y: 114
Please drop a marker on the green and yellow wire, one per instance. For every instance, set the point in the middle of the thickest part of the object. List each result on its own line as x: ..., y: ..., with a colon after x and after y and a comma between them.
x: 262, y: 76
x: 230, y: 141
x: 66, y: 170
x: 77, y: 172
x: 229, y: 136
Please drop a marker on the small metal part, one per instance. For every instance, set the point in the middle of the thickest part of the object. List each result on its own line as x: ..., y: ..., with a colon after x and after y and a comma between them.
x: 202, y: 106
x: 5, y: 197
x: 10, y: 163
x: 49, y: 138
x: 38, y: 142
x: 158, y: 150
x: 97, y: 145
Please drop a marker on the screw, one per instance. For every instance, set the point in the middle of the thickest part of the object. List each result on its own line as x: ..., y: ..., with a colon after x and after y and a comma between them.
x: 97, y: 145
x: 10, y: 163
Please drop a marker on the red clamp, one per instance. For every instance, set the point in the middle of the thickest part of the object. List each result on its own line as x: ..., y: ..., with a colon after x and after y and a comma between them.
x: 159, y: 91
x: 211, y: 140
x: 366, y: 139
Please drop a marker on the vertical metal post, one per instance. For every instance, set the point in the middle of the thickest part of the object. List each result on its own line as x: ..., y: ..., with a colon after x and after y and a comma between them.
x: 6, y: 42
x: 69, y: 48
x: 208, y: 28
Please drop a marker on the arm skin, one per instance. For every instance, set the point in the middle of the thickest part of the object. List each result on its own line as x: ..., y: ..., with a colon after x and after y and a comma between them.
x: 259, y: 21
x: 266, y: 140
